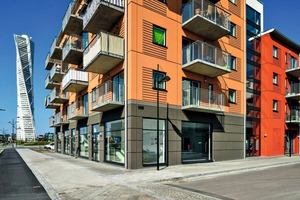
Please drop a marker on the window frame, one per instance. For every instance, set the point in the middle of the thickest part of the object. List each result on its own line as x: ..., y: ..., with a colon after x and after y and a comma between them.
x: 275, y: 52
x: 293, y: 62
x: 232, y: 29
x: 233, y: 92
x: 275, y: 105
x: 153, y: 37
x: 233, y: 63
x: 275, y: 78
x: 162, y: 85
x: 163, y: 1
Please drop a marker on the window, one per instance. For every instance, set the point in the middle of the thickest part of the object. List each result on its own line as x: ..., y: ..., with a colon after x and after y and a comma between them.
x: 275, y: 79
x: 150, y: 141
x: 275, y: 52
x: 233, y: 63
x: 94, y: 95
x: 275, y: 105
x: 233, y: 1
x: 156, y: 77
x: 232, y: 29
x: 164, y: 1
x: 159, y: 36
x: 293, y: 62
x: 232, y: 96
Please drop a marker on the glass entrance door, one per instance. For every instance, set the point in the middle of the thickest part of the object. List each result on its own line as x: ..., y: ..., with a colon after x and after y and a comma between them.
x: 95, y: 129
x: 196, y: 142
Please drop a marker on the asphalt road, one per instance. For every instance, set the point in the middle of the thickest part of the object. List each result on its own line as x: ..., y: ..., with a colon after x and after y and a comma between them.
x: 16, y: 179
x: 273, y: 183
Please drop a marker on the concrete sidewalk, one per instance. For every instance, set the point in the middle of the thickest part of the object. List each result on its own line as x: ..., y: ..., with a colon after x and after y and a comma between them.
x: 64, y: 177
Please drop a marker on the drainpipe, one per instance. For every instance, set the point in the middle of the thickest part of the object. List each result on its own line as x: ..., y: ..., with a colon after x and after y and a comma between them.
x: 126, y: 82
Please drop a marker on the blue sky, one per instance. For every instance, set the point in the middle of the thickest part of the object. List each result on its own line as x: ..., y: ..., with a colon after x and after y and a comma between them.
x: 41, y: 20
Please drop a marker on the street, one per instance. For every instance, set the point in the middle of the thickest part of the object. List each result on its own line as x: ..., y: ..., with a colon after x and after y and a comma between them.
x: 273, y: 183
x: 16, y: 179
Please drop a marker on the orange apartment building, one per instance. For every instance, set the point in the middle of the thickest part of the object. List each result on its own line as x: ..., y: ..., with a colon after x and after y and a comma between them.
x: 280, y: 94
x: 108, y: 68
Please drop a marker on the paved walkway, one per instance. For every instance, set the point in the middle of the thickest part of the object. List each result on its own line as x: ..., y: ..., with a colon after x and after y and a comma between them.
x: 64, y: 177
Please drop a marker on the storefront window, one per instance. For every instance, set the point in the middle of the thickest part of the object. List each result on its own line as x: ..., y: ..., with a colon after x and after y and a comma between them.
x: 67, y: 142
x: 59, y: 142
x: 115, y: 141
x: 96, y: 138
x: 73, y: 139
x: 150, y: 141
x: 84, y: 142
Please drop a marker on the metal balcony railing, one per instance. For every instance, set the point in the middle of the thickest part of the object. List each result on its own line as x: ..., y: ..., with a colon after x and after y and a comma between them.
x: 109, y: 93
x: 73, y: 50
x: 293, y: 116
x: 208, y: 55
x: 202, y: 99
x: 205, y: 18
x: 56, y: 94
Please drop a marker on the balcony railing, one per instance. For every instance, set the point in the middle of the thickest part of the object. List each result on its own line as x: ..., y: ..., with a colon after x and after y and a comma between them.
x: 78, y: 110
x: 60, y: 119
x: 205, y: 59
x: 72, y: 51
x: 103, y: 53
x: 202, y: 100
x: 55, y: 50
x: 49, y: 84
x: 108, y: 96
x: 293, y: 92
x: 57, y: 73
x: 102, y: 15
x: 206, y: 19
x: 75, y: 81
x: 293, y: 116
x: 57, y: 97
x: 71, y: 24
x: 51, y: 121
x: 49, y: 62
x: 293, y: 70
x: 49, y: 104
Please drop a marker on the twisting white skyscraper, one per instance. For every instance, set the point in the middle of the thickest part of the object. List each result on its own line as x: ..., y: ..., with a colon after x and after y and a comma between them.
x: 24, y: 63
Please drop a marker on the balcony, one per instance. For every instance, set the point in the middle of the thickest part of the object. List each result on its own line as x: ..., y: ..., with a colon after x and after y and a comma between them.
x: 109, y: 95
x: 202, y: 100
x: 102, y: 15
x: 205, y: 19
x: 55, y: 50
x: 52, y: 121
x: 293, y: 71
x: 202, y: 58
x: 71, y: 24
x: 294, y: 117
x: 57, y: 73
x: 103, y: 53
x: 49, y: 62
x: 75, y: 81
x: 49, y: 84
x: 72, y: 51
x: 293, y: 92
x: 57, y: 97
x: 49, y: 104
x: 57, y: 120
x: 78, y: 110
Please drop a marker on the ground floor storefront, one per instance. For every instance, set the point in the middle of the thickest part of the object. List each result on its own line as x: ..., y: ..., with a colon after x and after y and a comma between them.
x: 177, y: 137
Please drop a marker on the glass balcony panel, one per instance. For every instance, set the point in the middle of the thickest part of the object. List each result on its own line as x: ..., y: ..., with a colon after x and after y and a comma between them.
x: 72, y: 51
x: 293, y: 92
x: 206, y: 19
x: 102, y: 15
x: 205, y: 59
x: 55, y: 50
x: 72, y: 23
x: 56, y: 96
